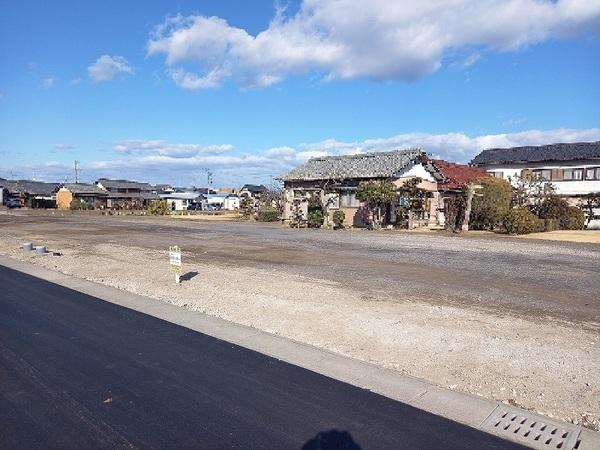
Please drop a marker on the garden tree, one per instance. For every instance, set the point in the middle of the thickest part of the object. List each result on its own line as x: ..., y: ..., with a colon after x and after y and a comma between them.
x: 589, y: 204
x: 158, y: 208
x: 469, y: 194
x: 413, y: 201
x: 455, y: 207
x: 494, y: 201
x: 376, y: 195
x: 338, y: 219
x: 530, y: 192
x: 78, y: 204
x: 315, y: 215
x: 247, y: 207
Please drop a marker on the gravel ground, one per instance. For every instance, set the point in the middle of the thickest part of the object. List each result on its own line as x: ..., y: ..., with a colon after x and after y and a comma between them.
x: 513, y: 320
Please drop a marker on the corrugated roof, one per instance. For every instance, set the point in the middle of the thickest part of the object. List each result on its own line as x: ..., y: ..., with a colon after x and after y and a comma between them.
x: 365, y: 165
x: 551, y: 152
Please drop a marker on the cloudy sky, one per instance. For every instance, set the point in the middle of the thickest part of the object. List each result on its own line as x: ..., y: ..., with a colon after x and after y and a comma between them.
x: 162, y: 90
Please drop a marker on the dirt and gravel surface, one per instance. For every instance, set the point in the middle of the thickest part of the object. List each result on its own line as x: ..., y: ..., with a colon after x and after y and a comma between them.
x: 509, y: 319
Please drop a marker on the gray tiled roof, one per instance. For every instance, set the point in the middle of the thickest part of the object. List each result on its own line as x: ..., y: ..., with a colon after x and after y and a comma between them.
x: 84, y: 189
x: 124, y: 184
x: 552, y: 152
x: 29, y: 187
x: 255, y: 188
x: 365, y: 165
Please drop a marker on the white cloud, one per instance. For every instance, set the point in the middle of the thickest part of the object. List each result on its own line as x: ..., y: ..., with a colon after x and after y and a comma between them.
x: 159, y: 161
x: 75, y: 81
x: 376, y: 39
x: 48, y: 83
x: 157, y: 148
x: 107, y: 67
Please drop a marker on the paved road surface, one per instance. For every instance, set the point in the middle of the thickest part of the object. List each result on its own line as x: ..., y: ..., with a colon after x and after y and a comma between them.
x: 78, y: 372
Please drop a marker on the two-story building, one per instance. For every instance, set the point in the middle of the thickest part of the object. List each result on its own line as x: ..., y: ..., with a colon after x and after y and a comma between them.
x: 573, y: 169
x: 127, y: 194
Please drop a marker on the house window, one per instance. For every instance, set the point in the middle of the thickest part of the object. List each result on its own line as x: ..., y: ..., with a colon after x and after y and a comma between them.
x: 348, y: 200
x: 597, y: 173
x: 542, y: 174
x: 497, y: 174
x: 573, y: 174
x: 592, y: 173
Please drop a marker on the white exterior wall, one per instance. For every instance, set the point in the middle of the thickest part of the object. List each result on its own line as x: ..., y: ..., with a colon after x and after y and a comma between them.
x: 416, y: 171
x: 566, y: 188
x: 231, y: 203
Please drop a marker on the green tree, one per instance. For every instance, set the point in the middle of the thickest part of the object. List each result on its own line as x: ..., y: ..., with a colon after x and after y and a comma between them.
x: 338, y: 219
x: 412, y: 202
x: 376, y: 195
x: 490, y: 204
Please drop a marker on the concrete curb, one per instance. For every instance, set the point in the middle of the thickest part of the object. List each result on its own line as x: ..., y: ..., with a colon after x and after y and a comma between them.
x: 460, y: 407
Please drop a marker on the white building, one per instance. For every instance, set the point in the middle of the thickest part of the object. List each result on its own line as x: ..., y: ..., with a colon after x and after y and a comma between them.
x: 223, y: 201
x: 180, y: 201
x: 573, y: 169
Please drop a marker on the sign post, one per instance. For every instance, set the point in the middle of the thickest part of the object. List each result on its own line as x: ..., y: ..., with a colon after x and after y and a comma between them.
x: 175, y: 262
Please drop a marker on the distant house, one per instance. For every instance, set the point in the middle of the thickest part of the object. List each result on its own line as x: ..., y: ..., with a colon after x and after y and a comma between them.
x: 86, y: 193
x: 252, y: 190
x: 335, y: 180
x: 573, y: 169
x: 33, y: 194
x: 181, y: 201
x: 126, y: 194
x: 163, y: 189
x: 223, y: 201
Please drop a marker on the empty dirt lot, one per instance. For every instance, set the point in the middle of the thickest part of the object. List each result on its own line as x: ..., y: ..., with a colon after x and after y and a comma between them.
x: 510, y: 319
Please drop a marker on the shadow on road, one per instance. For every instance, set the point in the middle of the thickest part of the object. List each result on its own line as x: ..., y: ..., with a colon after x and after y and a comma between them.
x: 331, y: 440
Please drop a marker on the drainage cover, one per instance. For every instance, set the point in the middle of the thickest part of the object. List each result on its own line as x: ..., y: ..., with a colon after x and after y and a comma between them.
x: 531, y: 430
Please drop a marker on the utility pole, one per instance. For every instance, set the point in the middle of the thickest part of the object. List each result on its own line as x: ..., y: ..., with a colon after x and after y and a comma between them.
x: 76, y: 172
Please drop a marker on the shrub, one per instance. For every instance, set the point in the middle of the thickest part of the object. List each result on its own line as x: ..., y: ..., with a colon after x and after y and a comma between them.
x: 566, y: 217
x: 315, y: 219
x: 158, y: 208
x: 574, y: 220
x: 79, y: 205
x: 520, y: 221
x: 549, y: 225
x: 490, y: 204
x: 268, y: 215
x: 338, y: 219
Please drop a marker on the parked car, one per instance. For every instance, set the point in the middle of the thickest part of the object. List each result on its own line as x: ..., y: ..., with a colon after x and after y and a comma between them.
x: 12, y: 203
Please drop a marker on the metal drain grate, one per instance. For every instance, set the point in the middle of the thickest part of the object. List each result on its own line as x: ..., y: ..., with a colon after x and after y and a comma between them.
x: 531, y: 430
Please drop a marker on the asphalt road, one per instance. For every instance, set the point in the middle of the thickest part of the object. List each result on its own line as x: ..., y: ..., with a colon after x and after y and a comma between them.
x: 78, y: 372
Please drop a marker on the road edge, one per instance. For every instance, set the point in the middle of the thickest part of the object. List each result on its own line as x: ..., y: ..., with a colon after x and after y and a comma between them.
x: 457, y: 406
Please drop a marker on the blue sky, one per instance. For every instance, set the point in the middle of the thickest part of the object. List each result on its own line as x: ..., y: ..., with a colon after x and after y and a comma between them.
x: 158, y: 90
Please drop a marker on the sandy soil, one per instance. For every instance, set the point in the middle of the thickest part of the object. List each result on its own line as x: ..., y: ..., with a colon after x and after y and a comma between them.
x: 549, y: 366
x: 590, y: 236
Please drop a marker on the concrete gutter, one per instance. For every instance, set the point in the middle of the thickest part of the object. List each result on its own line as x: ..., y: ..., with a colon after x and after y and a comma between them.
x: 460, y: 407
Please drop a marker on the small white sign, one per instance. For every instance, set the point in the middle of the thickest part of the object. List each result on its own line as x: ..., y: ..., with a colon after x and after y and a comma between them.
x: 175, y: 258
x: 175, y: 262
